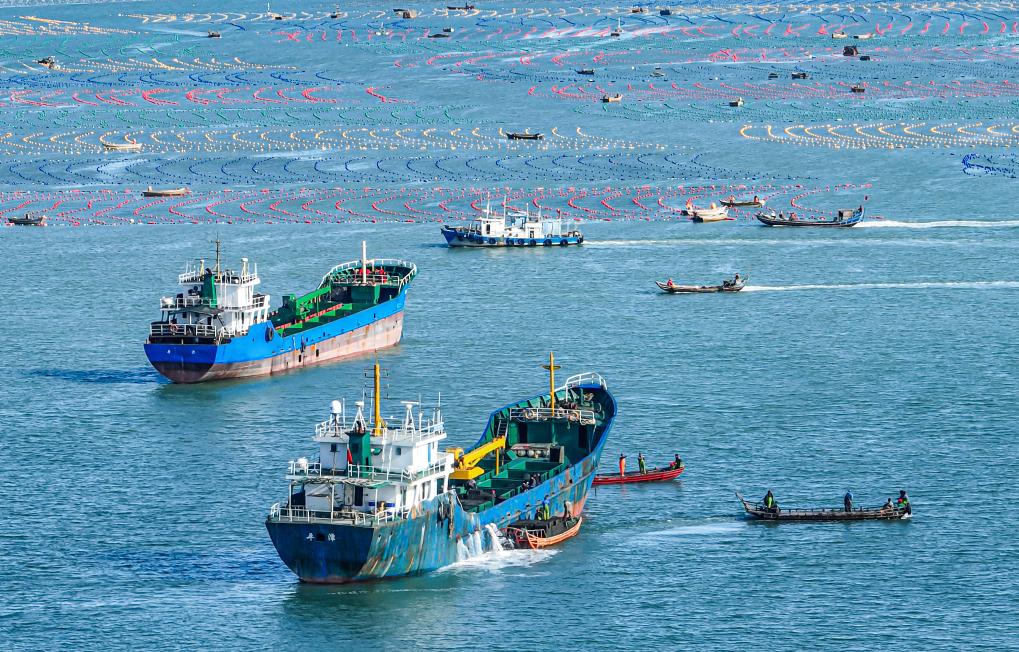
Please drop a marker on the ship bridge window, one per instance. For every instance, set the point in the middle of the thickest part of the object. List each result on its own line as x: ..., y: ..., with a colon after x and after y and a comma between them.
x: 399, y: 451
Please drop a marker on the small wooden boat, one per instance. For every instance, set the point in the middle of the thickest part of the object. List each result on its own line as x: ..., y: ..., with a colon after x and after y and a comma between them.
x: 772, y: 75
x: 736, y: 102
x: 638, y: 10
x: 406, y: 13
x: 516, y: 135
x: 213, y: 34
x: 757, y: 511
x: 726, y: 286
x: 664, y: 12
x: 863, y: 37
x: 165, y: 192
x: 439, y: 35
x: 618, y: 97
x: 731, y: 202
x: 652, y: 475
x: 839, y: 35
x: 463, y: 8
x: 585, y: 71
x: 800, y: 75
x: 535, y: 534
x: 27, y: 220
x: 858, y: 88
x: 864, y: 57
x: 123, y: 147
x: 844, y: 218
x: 850, y: 51
x: 658, y: 72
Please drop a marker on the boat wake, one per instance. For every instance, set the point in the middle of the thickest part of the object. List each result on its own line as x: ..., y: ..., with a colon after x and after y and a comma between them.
x: 488, y: 551
x: 939, y: 224
x: 957, y: 285
x: 704, y: 529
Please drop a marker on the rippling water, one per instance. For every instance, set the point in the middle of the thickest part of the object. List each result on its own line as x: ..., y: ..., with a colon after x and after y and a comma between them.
x: 869, y: 359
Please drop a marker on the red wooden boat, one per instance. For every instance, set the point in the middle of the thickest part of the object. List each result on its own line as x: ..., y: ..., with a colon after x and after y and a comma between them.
x: 652, y: 475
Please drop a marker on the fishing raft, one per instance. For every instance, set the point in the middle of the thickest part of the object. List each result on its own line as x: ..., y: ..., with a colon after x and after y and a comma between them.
x: 651, y: 475
x: 757, y: 511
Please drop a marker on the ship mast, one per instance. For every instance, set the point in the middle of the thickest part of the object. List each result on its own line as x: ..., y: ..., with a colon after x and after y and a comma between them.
x: 217, y: 256
x: 551, y: 366
x: 378, y: 425
x: 364, y: 274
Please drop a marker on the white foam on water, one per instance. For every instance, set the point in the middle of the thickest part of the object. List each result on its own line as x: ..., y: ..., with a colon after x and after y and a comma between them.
x: 939, y: 224
x: 704, y: 529
x: 488, y: 552
x: 958, y: 285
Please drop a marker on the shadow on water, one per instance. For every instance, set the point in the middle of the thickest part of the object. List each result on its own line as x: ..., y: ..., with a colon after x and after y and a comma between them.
x: 143, y: 376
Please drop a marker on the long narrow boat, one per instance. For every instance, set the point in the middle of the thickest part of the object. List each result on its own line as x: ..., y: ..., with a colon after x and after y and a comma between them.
x: 652, y: 475
x: 844, y: 218
x: 757, y: 511
x: 535, y: 534
x: 701, y: 289
x: 384, y: 499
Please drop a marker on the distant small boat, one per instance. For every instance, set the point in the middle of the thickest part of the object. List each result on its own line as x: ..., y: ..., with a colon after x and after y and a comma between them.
x: 772, y: 75
x: 664, y: 12
x: 657, y: 73
x: 515, y: 135
x: 858, y: 88
x: 618, y: 31
x: 800, y: 75
x: 638, y: 10
x: 168, y: 192
x: 850, y: 51
x: 711, y: 214
x: 651, y: 475
x: 726, y: 286
x: 585, y: 71
x: 463, y: 8
x: 736, y: 102
x: 844, y: 218
x: 439, y: 35
x: 731, y: 202
x: 535, y: 534
x: 213, y: 34
x: 863, y: 37
x: 839, y: 35
x: 758, y: 511
x: 618, y: 97
x: 406, y: 13
x: 28, y: 220
x: 123, y: 147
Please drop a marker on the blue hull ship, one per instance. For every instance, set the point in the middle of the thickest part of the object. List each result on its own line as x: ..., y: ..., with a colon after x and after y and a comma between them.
x: 383, y: 501
x: 219, y: 327
x: 513, y: 229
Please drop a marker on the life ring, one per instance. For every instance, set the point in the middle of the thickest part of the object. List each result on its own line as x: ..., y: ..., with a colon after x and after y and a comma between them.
x: 533, y: 242
x: 548, y: 242
x: 530, y: 414
x: 174, y: 329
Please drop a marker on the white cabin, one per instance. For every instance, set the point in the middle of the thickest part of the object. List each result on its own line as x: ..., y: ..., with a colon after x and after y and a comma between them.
x: 214, y: 303
x: 516, y: 224
x: 407, y: 467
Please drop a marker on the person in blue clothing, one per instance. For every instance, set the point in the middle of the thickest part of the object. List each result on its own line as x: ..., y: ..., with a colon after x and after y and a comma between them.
x: 847, y: 500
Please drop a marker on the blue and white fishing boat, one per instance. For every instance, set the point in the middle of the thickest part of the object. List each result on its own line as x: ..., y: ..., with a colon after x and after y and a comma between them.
x: 843, y: 218
x: 513, y: 228
x: 218, y: 326
x: 383, y: 499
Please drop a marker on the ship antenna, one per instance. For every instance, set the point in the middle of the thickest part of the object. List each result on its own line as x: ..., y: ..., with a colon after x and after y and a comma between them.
x: 364, y: 263
x: 217, y: 255
x: 551, y: 366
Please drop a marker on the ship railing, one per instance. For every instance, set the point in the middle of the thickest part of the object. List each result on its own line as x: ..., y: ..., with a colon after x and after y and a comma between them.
x: 204, y: 331
x: 356, y: 473
x: 176, y: 303
x: 375, y: 278
x: 301, y: 514
x: 583, y: 417
x: 585, y: 379
x: 330, y: 428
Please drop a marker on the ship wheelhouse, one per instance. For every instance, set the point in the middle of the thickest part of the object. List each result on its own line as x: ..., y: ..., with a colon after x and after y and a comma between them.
x: 368, y: 472
x: 213, y: 306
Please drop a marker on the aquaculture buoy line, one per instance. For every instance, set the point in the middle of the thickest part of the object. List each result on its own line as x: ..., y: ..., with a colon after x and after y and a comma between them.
x: 147, y: 98
x: 306, y: 205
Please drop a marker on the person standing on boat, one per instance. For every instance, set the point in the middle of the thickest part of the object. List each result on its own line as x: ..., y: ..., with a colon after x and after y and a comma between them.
x: 678, y: 462
x: 847, y: 500
x: 902, y: 504
x: 622, y: 464
x: 641, y: 464
x: 769, y: 502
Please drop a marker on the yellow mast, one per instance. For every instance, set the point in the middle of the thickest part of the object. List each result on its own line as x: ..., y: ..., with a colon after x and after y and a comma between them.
x: 378, y: 426
x: 551, y: 366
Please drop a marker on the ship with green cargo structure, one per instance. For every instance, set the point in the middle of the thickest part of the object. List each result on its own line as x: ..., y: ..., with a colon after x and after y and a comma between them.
x: 218, y: 326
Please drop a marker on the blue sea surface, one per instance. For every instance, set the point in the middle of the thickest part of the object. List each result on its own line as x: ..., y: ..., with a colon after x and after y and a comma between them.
x: 871, y: 359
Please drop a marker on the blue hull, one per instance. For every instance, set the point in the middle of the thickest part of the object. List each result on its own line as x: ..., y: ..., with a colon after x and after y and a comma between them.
x: 457, y: 238
x: 441, y: 534
x: 262, y: 351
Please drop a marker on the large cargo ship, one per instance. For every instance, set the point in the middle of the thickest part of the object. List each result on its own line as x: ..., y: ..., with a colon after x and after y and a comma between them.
x: 384, y: 500
x: 219, y: 327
